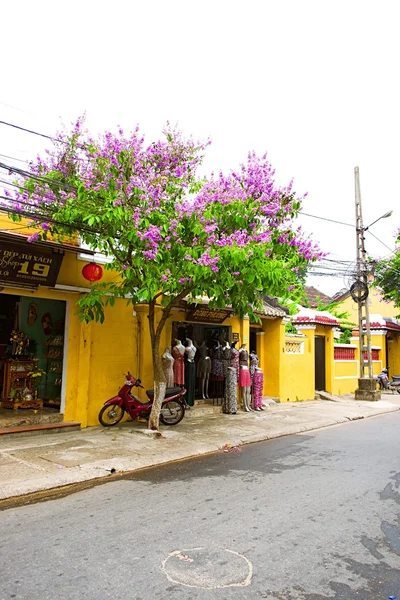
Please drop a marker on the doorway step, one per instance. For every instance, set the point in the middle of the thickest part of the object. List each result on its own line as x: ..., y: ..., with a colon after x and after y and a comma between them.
x: 202, y: 408
x: 39, y: 429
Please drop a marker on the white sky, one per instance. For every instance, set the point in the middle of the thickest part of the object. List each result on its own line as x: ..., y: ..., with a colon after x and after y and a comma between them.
x: 313, y: 82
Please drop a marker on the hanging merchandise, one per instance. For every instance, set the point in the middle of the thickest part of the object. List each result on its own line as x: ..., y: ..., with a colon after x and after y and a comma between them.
x: 32, y: 313
x: 92, y: 272
x: 46, y: 323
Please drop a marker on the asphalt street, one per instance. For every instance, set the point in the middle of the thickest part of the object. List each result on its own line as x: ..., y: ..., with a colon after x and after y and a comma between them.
x: 306, y: 517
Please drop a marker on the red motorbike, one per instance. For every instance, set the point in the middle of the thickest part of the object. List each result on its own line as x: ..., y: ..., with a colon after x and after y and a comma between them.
x: 172, y: 409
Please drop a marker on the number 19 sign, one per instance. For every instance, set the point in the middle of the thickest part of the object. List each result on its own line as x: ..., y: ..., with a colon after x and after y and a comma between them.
x: 25, y: 263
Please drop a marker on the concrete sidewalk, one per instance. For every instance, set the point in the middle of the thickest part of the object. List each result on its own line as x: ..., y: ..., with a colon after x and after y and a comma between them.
x: 39, y: 463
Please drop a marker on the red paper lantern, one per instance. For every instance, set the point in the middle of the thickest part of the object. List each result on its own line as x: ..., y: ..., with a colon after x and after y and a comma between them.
x: 92, y: 272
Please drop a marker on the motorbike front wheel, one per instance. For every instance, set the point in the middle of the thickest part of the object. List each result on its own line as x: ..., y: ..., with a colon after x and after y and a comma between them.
x: 111, y: 414
x: 172, y: 412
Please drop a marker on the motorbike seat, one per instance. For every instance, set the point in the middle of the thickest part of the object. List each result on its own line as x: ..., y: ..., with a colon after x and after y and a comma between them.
x: 169, y: 392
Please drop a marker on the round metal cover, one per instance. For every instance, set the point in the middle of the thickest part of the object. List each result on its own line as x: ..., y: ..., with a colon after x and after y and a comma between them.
x: 359, y: 291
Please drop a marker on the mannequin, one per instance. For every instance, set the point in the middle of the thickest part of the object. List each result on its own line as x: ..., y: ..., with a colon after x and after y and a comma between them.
x: 190, y: 372
x: 204, y: 369
x: 229, y: 406
x: 167, y: 363
x: 235, y: 359
x: 216, y: 368
x: 257, y: 391
x: 226, y: 358
x: 244, y: 378
x: 254, y: 362
x: 178, y: 353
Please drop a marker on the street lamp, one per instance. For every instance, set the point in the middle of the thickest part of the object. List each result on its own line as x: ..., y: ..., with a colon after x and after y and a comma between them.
x: 385, y: 216
x: 360, y: 291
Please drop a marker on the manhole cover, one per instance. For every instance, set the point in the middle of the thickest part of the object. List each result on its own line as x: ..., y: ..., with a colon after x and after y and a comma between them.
x: 208, y: 569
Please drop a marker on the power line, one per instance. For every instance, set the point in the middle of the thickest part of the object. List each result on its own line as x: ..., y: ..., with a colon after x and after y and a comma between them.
x: 43, y: 135
x: 324, y: 219
x: 13, y: 158
x: 383, y: 243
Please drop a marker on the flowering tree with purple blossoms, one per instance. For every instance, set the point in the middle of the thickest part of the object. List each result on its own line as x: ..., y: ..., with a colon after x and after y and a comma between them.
x: 172, y: 235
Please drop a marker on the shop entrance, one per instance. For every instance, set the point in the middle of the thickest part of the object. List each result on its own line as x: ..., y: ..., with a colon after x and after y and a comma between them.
x: 202, y: 333
x: 31, y: 355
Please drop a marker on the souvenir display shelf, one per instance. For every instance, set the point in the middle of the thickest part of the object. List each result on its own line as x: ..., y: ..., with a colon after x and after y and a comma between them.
x: 16, y: 378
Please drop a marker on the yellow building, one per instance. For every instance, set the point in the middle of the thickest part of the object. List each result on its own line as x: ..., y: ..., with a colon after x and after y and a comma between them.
x: 84, y: 364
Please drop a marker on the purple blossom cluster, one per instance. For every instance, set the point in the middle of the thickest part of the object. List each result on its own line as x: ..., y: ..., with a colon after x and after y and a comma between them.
x: 175, y: 220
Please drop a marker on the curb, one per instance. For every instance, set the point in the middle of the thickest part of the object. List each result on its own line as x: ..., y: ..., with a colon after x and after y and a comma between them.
x: 62, y: 491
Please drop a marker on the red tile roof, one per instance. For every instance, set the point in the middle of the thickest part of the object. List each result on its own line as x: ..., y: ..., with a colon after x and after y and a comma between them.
x: 313, y: 295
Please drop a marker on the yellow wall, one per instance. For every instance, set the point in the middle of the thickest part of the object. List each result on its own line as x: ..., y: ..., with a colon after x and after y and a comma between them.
x: 376, y: 306
x: 298, y: 371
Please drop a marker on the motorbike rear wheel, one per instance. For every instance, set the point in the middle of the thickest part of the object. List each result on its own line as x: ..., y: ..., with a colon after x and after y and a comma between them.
x: 172, y: 412
x: 111, y: 414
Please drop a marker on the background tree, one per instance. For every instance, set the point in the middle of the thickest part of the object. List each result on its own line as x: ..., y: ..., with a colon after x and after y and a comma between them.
x: 171, y: 234
x: 387, y: 276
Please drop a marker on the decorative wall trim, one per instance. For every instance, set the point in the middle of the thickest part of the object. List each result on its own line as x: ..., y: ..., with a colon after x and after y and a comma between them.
x: 294, y: 347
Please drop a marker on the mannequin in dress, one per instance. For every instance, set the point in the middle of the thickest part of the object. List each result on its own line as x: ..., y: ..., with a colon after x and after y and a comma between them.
x: 244, y: 378
x: 204, y: 369
x: 226, y: 358
x: 254, y: 362
x: 168, y: 363
x: 216, y: 369
x: 235, y: 359
x: 190, y: 372
x: 178, y: 353
x: 229, y: 405
x: 257, y: 389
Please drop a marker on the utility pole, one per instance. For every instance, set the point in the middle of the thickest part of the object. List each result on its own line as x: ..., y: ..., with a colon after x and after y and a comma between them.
x: 360, y: 292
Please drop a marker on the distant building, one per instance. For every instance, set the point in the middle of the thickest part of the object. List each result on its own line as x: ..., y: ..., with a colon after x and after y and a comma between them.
x: 314, y: 296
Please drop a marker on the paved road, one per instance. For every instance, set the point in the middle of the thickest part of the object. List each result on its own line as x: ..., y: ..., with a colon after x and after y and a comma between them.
x: 307, y: 517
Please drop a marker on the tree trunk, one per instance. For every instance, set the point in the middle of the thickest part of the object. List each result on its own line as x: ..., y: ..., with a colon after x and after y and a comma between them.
x: 160, y: 386
x: 160, y: 382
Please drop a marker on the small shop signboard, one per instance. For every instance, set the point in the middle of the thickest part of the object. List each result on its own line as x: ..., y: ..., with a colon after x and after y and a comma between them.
x: 203, y: 314
x: 27, y: 264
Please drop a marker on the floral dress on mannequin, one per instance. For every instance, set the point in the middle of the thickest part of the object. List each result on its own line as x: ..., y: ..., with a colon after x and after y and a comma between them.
x: 216, y: 363
x: 235, y: 361
x: 254, y: 362
x: 258, y: 384
x: 226, y: 359
x: 229, y: 406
